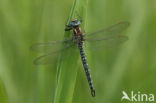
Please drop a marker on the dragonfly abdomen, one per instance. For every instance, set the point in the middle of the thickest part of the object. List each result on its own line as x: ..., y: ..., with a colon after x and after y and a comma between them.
x: 86, y: 68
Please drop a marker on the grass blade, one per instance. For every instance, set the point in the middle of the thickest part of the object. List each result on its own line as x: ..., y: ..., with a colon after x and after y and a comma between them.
x: 3, y: 96
x: 68, y: 62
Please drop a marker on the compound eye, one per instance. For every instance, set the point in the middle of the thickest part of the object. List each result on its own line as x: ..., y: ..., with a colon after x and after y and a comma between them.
x: 79, y: 22
x: 72, y: 23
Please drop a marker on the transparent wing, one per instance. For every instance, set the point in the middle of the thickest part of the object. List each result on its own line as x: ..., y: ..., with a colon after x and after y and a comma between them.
x: 108, y: 32
x: 109, y: 37
x: 50, y: 57
x: 110, y: 42
x: 49, y: 46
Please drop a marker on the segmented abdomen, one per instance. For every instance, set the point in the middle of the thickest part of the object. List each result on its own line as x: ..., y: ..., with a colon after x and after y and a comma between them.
x: 86, y: 68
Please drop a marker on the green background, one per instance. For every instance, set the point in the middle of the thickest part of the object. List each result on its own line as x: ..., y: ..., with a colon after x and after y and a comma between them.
x: 129, y: 67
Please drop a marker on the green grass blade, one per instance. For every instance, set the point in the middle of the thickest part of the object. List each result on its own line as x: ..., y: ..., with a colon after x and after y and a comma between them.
x: 68, y: 63
x: 3, y: 96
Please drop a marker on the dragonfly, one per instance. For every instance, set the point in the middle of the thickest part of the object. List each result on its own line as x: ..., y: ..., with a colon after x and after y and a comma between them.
x: 79, y: 37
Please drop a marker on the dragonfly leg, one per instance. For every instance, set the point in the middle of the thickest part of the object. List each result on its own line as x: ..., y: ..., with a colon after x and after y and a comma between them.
x: 68, y: 28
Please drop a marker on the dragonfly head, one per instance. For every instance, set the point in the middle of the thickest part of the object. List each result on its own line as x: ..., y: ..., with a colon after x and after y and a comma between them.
x: 75, y: 23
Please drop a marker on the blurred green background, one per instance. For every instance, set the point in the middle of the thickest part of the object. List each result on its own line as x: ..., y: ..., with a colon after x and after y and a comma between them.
x: 131, y: 66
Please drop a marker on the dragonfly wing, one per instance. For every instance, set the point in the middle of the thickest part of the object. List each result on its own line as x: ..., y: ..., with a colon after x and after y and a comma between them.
x: 108, y: 42
x: 49, y: 57
x: 108, y: 37
x: 49, y: 46
x: 109, y: 32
